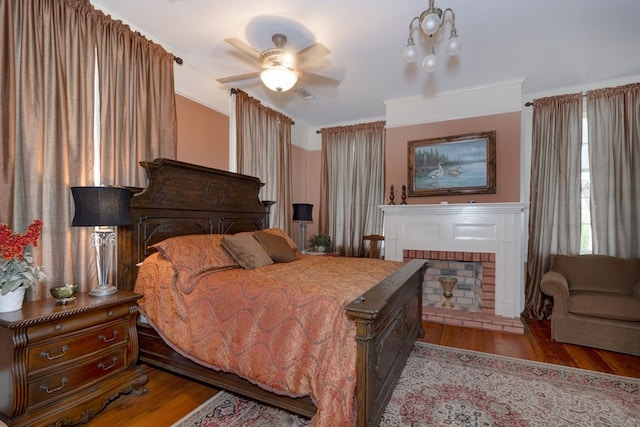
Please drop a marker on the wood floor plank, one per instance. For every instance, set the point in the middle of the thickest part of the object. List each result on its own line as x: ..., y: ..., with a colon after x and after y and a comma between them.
x: 171, y: 397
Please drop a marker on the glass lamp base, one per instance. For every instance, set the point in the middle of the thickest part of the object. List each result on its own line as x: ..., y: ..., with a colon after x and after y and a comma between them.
x: 103, y: 290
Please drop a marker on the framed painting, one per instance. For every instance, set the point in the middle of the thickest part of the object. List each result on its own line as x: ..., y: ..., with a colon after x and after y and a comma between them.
x: 460, y: 164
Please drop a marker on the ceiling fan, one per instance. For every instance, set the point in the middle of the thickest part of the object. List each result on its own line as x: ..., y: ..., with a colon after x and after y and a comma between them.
x: 281, y: 67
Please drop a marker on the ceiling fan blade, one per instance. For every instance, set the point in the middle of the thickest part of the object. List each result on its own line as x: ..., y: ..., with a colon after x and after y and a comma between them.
x: 244, y: 47
x: 312, y: 53
x: 321, y: 80
x: 239, y: 77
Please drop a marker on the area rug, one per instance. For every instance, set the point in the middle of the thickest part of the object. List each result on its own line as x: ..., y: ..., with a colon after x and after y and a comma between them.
x: 442, y: 386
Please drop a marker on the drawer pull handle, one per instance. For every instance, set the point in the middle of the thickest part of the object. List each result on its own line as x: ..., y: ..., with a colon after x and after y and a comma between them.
x: 58, y: 327
x: 105, y: 339
x: 110, y: 313
x: 106, y: 367
x: 45, y: 354
x: 60, y: 387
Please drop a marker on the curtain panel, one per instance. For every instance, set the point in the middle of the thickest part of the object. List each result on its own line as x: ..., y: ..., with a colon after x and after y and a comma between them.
x: 554, y: 217
x: 47, y: 127
x: 613, y: 116
x: 48, y: 54
x: 352, y: 184
x: 137, y: 102
x: 263, y: 138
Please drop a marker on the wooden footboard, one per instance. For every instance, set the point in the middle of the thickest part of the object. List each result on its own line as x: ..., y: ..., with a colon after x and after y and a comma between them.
x: 388, y: 319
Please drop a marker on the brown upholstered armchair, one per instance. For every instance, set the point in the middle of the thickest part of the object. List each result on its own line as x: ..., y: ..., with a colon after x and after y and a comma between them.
x: 596, y: 301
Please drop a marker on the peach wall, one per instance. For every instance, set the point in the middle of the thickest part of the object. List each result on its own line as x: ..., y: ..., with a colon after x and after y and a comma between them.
x: 305, y: 168
x: 203, y: 135
x: 507, y: 127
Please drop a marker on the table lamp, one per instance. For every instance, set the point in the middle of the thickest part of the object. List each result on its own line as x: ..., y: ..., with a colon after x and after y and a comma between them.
x: 102, y: 208
x: 303, y: 212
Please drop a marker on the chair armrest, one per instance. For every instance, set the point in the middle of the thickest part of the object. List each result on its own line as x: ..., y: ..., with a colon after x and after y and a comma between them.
x: 556, y: 285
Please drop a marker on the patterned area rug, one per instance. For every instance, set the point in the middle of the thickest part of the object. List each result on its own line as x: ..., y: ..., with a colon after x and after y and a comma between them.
x: 442, y: 386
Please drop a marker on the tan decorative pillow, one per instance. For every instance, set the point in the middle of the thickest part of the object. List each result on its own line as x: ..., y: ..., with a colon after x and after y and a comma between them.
x: 276, y: 246
x: 246, y: 250
x: 280, y: 232
x: 195, y: 254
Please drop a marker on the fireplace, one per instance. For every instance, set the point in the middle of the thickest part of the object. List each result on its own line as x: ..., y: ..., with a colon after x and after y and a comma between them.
x: 491, y: 234
x: 473, y: 271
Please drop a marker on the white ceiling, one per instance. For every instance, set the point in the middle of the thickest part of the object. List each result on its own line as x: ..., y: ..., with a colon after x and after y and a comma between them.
x: 549, y: 43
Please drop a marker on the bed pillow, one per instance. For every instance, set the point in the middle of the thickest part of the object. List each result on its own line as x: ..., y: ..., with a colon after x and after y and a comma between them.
x: 280, y: 232
x: 276, y: 246
x: 195, y: 254
x: 246, y: 250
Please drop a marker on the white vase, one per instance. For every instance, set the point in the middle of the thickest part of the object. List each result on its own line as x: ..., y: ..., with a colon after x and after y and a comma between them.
x: 12, y: 301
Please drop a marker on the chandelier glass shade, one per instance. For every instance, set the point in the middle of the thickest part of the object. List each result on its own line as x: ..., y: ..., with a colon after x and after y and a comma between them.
x: 430, y: 21
x: 279, y: 78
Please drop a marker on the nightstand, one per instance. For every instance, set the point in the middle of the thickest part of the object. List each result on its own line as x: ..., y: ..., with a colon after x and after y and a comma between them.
x: 62, y: 364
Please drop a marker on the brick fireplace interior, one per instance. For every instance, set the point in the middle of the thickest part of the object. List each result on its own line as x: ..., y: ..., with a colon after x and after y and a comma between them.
x: 474, y: 295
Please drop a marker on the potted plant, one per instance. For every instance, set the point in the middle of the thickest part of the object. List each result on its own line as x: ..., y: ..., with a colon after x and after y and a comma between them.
x: 320, y: 242
x: 17, y: 269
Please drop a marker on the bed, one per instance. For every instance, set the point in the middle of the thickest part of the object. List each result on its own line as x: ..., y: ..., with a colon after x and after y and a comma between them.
x: 184, y: 199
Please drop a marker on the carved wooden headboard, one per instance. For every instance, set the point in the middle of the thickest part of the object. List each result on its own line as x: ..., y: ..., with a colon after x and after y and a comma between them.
x: 183, y: 198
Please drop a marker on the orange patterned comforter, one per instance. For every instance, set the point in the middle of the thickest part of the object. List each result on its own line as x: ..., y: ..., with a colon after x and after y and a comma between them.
x: 282, y: 327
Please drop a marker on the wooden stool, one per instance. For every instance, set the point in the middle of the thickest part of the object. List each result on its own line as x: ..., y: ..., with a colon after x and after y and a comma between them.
x: 373, y: 240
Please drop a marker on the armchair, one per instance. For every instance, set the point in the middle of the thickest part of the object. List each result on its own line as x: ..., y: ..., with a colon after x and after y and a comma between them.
x: 596, y: 301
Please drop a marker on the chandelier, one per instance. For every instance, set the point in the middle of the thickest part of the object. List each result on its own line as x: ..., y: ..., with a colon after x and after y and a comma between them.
x: 430, y: 21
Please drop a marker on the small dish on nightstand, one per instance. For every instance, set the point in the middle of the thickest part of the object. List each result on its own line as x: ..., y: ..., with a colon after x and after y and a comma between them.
x: 64, y: 294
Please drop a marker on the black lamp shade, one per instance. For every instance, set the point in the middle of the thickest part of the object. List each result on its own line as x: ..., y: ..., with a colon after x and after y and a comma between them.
x: 302, y: 212
x: 100, y: 206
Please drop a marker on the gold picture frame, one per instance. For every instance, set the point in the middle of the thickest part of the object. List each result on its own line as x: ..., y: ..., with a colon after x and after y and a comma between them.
x: 453, y: 165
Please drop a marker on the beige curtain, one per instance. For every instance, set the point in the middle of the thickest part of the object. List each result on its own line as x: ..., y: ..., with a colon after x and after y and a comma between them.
x: 554, y: 219
x: 614, y: 151
x: 137, y: 103
x: 264, y: 151
x: 352, y: 184
x: 47, y: 55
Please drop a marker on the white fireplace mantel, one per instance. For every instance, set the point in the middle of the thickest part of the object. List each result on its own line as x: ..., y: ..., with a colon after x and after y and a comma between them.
x: 499, y: 228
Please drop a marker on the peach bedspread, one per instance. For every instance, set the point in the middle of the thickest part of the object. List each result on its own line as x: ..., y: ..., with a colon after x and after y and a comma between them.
x: 282, y: 327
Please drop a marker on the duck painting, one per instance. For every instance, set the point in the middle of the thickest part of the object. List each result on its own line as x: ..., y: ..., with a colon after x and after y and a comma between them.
x: 454, y: 172
x: 435, y: 174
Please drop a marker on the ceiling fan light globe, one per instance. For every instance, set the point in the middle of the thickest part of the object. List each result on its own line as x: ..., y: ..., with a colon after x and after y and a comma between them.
x: 430, y: 23
x: 410, y: 54
x: 279, y: 78
x: 453, y: 45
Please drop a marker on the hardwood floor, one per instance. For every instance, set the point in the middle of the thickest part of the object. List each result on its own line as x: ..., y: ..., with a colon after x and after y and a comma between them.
x: 170, y: 397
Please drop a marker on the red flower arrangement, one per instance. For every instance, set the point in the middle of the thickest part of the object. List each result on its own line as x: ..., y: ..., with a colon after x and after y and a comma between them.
x: 16, y: 265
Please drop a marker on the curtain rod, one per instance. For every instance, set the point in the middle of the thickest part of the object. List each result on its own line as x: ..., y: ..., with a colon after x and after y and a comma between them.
x: 178, y: 60
x: 530, y: 103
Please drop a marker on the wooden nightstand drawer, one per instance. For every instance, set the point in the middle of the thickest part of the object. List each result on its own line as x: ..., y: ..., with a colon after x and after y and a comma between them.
x: 71, y: 347
x: 75, y: 323
x: 71, y: 380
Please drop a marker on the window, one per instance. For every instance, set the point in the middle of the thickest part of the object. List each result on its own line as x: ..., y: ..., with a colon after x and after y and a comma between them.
x: 585, y: 192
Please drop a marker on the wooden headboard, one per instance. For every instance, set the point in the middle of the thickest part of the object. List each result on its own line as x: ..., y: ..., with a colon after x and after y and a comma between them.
x: 183, y: 198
